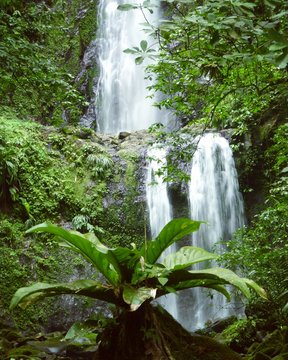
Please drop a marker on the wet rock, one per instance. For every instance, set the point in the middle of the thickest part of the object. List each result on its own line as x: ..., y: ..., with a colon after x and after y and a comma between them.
x: 123, y: 135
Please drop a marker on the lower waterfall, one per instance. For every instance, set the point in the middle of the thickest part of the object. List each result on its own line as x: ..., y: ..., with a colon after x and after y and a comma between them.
x: 214, y: 197
x: 160, y: 211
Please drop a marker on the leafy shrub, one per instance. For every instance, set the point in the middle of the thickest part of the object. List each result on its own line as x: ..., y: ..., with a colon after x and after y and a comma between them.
x: 262, y: 249
x: 240, y: 335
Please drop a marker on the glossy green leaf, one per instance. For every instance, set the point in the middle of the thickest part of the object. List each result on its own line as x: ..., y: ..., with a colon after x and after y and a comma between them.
x: 127, y: 260
x: 163, y: 280
x: 144, y: 45
x: 189, y: 284
x: 276, y: 47
x: 225, y: 276
x: 174, y: 231
x: 94, y: 251
x: 187, y: 256
x: 81, y: 332
x: 126, y: 7
x: 139, y: 60
x: 26, y: 296
x: 258, y: 289
x: 282, y: 60
x: 135, y: 297
x: 183, y: 279
x: 130, y: 51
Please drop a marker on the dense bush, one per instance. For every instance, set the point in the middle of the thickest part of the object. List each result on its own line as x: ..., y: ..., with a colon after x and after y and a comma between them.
x: 38, y: 77
x: 262, y: 248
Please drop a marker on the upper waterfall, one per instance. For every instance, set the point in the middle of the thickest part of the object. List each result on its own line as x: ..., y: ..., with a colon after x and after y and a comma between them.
x: 121, y: 98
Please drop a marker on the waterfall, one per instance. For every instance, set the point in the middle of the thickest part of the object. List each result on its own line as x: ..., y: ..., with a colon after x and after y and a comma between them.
x: 121, y: 97
x: 122, y: 105
x: 160, y: 211
x: 215, y: 198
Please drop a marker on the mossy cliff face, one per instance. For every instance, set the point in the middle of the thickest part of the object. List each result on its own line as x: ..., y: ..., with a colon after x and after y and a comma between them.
x: 256, y: 160
x: 78, y: 52
x: 73, y: 177
x: 125, y: 201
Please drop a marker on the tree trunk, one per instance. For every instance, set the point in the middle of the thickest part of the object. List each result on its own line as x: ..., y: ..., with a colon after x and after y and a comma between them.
x: 150, y: 333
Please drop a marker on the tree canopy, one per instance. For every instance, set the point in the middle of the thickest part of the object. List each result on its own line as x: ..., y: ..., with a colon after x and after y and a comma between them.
x: 218, y: 52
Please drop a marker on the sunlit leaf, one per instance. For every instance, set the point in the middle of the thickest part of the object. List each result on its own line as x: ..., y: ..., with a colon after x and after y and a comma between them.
x: 144, y: 45
x: 183, y: 279
x: 139, y: 60
x: 26, y: 296
x: 282, y: 60
x: 174, y: 231
x: 126, y: 7
x: 187, y: 256
x: 94, y: 251
x: 135, y: 297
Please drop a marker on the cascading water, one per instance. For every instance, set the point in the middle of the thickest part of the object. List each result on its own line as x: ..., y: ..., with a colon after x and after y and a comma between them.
x: 121, y: 99
x: 160, y: 211
x: 122, y: 104
x: 215, y: 198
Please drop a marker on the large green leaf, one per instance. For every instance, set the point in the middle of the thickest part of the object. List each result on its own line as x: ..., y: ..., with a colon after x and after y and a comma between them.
x: 94, y: 251
x: 28, y: 295
x: 127, y: 260
x: 189, y: 284
x: 187, y: 256
x: 258, y: 289
x: 174, y: 231
x: 135, y: 297
x: 179, y: 279
x: 126, y: 7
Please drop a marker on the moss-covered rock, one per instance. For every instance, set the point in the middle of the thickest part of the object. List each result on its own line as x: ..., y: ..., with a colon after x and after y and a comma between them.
x: 74, y: 177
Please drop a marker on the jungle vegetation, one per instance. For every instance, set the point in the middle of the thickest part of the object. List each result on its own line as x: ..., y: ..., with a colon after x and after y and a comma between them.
x: 220, y: 64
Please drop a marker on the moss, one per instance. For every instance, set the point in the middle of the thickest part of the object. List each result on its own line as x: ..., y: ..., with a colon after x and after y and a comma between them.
x: 92, y: 73
x: 88, y: 24
x: 51, y: 180
x: 25, y: 260
x: 125, y: 202
x: 60, y: 176
x: 240, y: 334
x: 19, y: 263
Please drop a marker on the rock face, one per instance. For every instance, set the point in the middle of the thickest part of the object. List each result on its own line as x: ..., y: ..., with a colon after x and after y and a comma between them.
x: 88, y: 79
x: 123, y: 217
x: 78, y: 179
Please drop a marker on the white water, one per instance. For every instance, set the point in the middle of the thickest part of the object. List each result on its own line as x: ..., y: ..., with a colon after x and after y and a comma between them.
x: 215, y: 198
x: 160, y: 212
x: 213, y: 190
x: 121, y: 99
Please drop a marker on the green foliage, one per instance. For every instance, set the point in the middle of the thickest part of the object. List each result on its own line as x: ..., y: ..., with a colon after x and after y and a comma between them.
x: 277, y: 155
x: 220, y: 61
x: 44, y: 173
x: 262, y: 248
x: 57, y: 175
x: 32, y: 181
x: 273, y: 347
x: 134, y: 277
x: 37, y: 80
x: 241, y: 334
